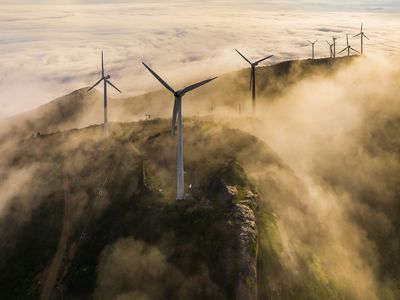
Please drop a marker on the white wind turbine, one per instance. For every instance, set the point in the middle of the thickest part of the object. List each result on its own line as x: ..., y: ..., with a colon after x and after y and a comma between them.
x: 105, y: 79
x: 313, y: 48
x: 348, y: 47
x: 330, y: 48
x: 177, y: 114
x: 253, y: 76
x: 334, y: 46
x: 362, y: 35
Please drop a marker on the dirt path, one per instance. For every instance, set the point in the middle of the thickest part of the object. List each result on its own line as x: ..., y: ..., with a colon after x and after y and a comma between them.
x: 59, y: 265
x: 53, y: 270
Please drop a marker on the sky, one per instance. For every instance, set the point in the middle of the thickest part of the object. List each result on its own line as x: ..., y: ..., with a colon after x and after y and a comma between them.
x: 50, y: 48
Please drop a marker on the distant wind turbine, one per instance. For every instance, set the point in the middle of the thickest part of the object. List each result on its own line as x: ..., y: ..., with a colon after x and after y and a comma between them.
x: 312, y: 47
x: 362, y: 35
x: 106, y: 81
x: 334, y: 46
x: 348, y: 47
x: 177, y: 113
x: 330, y: 48
x: 253, y: 76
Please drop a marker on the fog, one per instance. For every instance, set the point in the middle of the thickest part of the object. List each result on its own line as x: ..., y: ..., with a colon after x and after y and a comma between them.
x: 51, y: 50
x: 334, y: 129
x: 337, y: 131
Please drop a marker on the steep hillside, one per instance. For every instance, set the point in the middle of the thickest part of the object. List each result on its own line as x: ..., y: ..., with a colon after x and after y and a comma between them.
x: 97, y: 218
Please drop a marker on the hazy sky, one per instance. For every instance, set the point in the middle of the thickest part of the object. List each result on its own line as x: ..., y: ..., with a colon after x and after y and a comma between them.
x: 48, y: 50
x: 306, y: 4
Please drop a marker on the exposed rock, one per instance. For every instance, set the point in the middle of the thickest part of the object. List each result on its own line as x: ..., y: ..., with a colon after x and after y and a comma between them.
x: 143, y: 185
x: 244, y: 220
x: 227, y: 192
x: 250, y: 195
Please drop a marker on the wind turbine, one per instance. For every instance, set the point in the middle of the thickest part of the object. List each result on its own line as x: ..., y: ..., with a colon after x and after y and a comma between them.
x: 105, y: 79
x: 253, y: 76
x: 334, y: 38
x: 312, y: 46
x: 362, y: 35
x: 348, y: 47
x: 330, y: 48
x: 177, y: 114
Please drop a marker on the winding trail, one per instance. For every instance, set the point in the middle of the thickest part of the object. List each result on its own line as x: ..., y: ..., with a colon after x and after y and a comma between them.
x: 53, y: 269
x: 59, y: 265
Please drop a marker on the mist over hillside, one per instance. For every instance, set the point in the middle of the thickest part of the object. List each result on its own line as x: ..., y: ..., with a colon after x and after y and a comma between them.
x: 299, y: 200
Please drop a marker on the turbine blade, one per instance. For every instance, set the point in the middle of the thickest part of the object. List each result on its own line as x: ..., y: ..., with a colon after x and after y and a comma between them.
x: 315, y: 41
x: 365, y: 36
x: 194, y: 86
x: 174, y: 114
x: 110, y: 83
x: 258, y: 61
x: 309, y: 42
x: 356, y: 35
x: 159, y: 79
x: 343, y: 50
x: 354, y: 49
x: 361, y: 27
x: 94, y: 85
x: 102, y: 64
x: 243, y: 56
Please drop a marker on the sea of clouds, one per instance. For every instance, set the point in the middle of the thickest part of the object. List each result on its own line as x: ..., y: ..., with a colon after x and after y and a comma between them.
x: 48, y: 50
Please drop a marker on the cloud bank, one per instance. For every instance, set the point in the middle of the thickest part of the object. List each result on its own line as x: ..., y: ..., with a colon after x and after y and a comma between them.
x: 50, y: 50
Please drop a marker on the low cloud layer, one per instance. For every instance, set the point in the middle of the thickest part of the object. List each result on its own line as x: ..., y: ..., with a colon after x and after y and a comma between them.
x: 336, y: 133
x: 50, y: 50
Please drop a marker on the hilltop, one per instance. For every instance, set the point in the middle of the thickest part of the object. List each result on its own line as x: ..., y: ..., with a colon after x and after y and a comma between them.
x: 81, y: 109
x: 88, y: 197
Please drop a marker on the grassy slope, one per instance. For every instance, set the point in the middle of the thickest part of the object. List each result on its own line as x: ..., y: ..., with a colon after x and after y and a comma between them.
x: 106, y: 178
x: 112, y: 203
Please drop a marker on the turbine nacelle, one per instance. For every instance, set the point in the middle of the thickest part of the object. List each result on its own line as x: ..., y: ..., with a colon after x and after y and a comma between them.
x: 253, y: 72
x: 253, y: 64
x: 104, y: 77
x: 178, y: 94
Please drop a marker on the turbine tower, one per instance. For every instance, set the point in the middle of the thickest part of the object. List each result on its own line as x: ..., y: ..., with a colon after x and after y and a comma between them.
x: 105, y: 79
x: 348, y: 47
x: 312, y: 47
x: 362, y: 35
x: 177, y: 114
x: 334, y: 38
x: 253, y: 76
x: 330, y: 48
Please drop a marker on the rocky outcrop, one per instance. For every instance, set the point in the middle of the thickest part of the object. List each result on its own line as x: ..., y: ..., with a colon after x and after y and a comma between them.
x: 244, y: 220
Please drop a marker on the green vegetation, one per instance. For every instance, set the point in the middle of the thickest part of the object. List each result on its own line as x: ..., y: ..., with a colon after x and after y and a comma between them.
x: 106, y: 181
